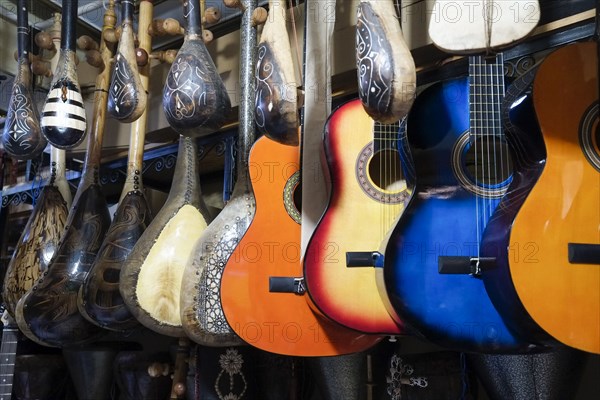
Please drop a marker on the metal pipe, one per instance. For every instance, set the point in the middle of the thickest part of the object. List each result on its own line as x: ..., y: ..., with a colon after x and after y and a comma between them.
x: 8, y: 13
x: 83, y: 9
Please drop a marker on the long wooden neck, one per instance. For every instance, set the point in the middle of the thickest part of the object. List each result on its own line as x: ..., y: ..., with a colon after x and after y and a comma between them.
x: 192, y: 14
x: 69, y: 12
x: 23, y: 46
x: 246, y: 135
x: 8, y: 356
x: 133, y: 180
x: 94, y: 144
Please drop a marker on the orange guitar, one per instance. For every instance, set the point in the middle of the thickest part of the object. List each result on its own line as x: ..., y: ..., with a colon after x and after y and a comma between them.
x: 555, y: 240
x: 262, y: 290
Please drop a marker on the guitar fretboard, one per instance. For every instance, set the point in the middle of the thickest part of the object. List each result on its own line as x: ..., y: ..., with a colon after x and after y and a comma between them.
x: 8, y: 353
x: 486, y: 92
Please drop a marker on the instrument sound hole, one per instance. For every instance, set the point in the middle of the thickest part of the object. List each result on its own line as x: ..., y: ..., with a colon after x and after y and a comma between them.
x: 488, y: 162
x: 385, y: 170
x: 297, y: 197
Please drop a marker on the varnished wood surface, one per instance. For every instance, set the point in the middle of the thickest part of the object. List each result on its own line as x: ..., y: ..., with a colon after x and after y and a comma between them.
x: 282, y: 323
x: 563, y: 207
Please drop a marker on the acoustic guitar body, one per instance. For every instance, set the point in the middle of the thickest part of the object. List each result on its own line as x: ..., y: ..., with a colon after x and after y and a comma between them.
x: 451, y: 310
x: 274, y: 321
x: 563, y: 209
x: 358, y: 217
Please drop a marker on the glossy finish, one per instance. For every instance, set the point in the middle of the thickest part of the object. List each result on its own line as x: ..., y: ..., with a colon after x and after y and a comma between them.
x: 48, y: 313
x: 22, y: 135
x: 357, y: 219
x: 151, y: 276
x: 194, y: 97
x: 281, y: 323
x: 450, y: 310
x: 563, y: 298
x: 528, y: 154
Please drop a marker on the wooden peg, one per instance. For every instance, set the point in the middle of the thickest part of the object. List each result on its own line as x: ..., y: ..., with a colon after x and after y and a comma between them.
x: 234, y: 4
x: 141, y: 57
x: 94, y: 58
x: 167, y: 56
x: 157, y: 369
x: 44, y: 41
x: 163, y: 27
x: 207, y: 36
x: 41, y: 68
x: 87, y: 43
x: 259, y: 16
x: 211, y: 15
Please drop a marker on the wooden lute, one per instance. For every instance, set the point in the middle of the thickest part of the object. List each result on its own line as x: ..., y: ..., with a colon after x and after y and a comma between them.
x: 386, y: 70
x: 22, y: 135
x: 8, y: 355
x: 48, y: 313
x: 127, y: 94
x: 201, y: 311
x: 276, y: 111
x: 63, y: 116
x: 41, y: 235
x: 99, y: 298
x: 195, y: 100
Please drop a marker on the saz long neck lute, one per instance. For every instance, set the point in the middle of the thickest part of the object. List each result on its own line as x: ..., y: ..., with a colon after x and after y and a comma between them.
x: 22, y: 135
x: 194, y: 98
x: 127, y: 95
x: 48, y: 313
x: 63, y: 116
x: 100, y: 300
x: 201, y: 311
x: 151, y: 277
x: 43, y: 230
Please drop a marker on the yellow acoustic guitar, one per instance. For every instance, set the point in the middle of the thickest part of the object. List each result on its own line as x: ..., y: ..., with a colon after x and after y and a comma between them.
x: 555, y: 241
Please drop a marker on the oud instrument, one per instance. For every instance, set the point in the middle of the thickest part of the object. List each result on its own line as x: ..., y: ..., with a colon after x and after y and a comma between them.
x: 127, y: 95
x: 554, y: 249
x: 44, y: 228
x: 48, y: 313
x: 202, y: 315
x: 63, y: 116
x: 202, y: 110
x: 386, y: 70
x: 22, y: 135
x: 99, y: 298
x: 433, y: 263
x: 276, y: 111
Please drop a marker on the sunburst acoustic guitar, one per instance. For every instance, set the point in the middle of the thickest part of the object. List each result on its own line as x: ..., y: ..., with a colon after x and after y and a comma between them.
x: 366, y: 179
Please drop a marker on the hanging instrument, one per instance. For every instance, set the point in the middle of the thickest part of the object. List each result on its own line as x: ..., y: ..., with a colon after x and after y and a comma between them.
x: 195, y: 100
x: 100, y: 299
x: 48, y: 313
x: 22, y: 135
x: 127, y: 95
x: 63, y: 116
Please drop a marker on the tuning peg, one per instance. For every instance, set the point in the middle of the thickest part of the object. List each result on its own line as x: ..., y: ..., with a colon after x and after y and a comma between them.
x: 87, y: 43
x: 41, y: 68
x: 259, y: 16
x: 211, y: 15
x: 167, y: 56
x: 233, y: 4
x: 163, y: 27
x: 157, y: 369
x: 207, y: 36
x: 44, y: 41
x: 94, y: 58
x: 141, y: 57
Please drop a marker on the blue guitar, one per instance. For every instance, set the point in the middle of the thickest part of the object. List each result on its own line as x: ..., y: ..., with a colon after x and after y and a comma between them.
x: 463, y: 168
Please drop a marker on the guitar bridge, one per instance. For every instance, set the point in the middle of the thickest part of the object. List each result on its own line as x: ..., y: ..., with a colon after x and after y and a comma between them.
x: 464, y: 265
x: 364, y: 259
x: 284, y: 284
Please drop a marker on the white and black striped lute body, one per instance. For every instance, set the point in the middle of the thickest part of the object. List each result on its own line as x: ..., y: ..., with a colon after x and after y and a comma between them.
x: 63, y: 116
x: 22, y: 136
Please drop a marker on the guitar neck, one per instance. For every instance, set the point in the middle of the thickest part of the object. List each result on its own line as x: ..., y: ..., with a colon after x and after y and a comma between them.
x: 8, y: 355
x: 486, y: 93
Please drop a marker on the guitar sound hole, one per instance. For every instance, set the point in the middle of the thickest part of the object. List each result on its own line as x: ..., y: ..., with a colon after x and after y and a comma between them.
x: 385, y: 171
x: 488, y: 162
x: 297, y: 197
